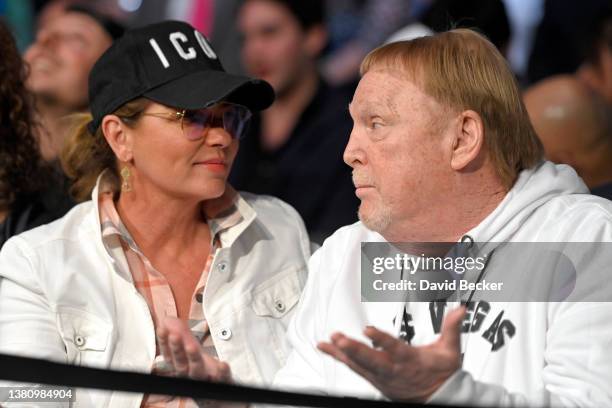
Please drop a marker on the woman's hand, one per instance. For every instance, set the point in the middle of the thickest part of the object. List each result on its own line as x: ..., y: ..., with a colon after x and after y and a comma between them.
x: 183, y: 352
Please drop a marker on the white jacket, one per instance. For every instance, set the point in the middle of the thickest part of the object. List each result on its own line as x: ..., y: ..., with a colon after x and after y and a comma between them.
x: 63, y: 298
x: 546, y: 353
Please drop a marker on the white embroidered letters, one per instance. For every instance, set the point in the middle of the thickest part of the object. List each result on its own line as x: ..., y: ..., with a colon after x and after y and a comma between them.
x: 159, y: 53
x: 205, y: 46
x: 186, y: 55
x: 178, y: 40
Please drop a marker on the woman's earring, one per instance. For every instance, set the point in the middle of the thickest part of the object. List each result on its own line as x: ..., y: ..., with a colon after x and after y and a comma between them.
x: 126, y: 187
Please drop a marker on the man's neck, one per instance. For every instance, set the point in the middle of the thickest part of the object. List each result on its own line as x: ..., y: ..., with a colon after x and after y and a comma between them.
x: 3, y: 215
x: 52, y: 128
x: 280, y: 119
x: 464, y: 208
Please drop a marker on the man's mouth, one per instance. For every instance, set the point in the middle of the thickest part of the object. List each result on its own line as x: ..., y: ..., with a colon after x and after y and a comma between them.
x: 43, y: 65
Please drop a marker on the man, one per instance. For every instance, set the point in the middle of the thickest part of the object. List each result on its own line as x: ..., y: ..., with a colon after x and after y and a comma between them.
x: 562, y: 35
x: 489, y: 17
x: 596, y: 70
x: 294, y: 148
x: 575, y: 126
x: 66, y: 47
x: 442, y: 150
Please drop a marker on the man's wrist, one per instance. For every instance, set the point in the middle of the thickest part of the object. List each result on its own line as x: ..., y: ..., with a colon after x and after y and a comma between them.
x: 440, y: 393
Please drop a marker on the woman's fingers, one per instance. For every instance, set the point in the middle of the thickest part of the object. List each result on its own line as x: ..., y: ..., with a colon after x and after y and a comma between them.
x: 179, y: 356
x: 162, y: 341
x: 181, y: 349
x: 224, y: 373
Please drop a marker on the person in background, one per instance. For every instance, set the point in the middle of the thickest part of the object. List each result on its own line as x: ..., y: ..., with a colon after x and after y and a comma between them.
x: 67, y: 45
x: 358, y: 26
x: 164, y: 239
x: 596, y: 70
x: 29, y: 196
x: 19, y: 16
x: 562, y: 36
x: 215, y: 19
x: 294, y: 148
x: 487, y: 16
x: 574, y: 124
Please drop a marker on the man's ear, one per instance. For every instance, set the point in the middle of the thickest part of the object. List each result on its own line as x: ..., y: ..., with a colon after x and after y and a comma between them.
x: 468, y: 139
x: 315, y: 40
x: 119, y: 140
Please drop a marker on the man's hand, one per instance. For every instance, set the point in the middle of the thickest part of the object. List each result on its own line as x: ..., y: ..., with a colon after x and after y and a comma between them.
x: 181, y: 350
x: 400, y: 371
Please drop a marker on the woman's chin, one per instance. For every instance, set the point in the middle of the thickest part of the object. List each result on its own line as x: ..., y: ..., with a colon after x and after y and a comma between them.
x: 212, y: 189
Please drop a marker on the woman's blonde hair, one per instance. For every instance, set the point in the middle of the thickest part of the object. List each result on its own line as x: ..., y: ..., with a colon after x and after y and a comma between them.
x: 462, y: 70
x: 86, y: 155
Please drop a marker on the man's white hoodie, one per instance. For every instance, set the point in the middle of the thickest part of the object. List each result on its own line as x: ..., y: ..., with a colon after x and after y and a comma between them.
x: 515, y: 353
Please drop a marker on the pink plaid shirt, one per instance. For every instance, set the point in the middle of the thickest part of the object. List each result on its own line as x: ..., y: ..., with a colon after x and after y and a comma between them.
x: 154, y: 287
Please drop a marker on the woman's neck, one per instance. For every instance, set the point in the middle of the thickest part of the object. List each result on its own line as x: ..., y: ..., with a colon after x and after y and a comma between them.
x: 163, y: 226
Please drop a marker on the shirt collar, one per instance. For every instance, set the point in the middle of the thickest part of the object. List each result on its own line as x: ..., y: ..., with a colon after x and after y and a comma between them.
x: 228, y: 216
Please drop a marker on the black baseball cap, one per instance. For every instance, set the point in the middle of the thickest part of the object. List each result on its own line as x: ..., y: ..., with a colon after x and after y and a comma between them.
x: 170, y: 63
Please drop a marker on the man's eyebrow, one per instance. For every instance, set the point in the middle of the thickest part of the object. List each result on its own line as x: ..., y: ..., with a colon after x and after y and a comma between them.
x: 376, y: 106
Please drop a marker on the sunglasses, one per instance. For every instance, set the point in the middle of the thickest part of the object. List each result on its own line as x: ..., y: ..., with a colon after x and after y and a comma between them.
x: 232, y: 117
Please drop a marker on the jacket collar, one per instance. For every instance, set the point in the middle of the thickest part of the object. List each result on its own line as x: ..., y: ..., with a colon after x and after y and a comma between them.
x: 216, y: 210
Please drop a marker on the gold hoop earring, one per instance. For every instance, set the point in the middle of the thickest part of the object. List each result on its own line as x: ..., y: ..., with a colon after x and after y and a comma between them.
x: 126, y: 187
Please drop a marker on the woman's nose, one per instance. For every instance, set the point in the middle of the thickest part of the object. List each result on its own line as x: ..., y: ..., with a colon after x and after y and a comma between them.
x: 218, y: 136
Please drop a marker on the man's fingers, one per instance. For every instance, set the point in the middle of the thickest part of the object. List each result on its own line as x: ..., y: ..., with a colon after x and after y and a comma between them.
x: 375, y: 361
x: 332, y: 351
x: 451, y: 328
x: 387, y: 342
x: 370, y: 359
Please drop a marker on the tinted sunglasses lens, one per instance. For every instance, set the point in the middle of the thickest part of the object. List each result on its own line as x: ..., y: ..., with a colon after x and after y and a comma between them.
x: 195, y: 123
x: 236, y: 119
x: 233, y: 118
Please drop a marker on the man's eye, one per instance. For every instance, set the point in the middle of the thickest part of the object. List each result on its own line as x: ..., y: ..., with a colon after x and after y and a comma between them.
x: 270, y: 31
x: 376, y: 124
x: 74, y: 40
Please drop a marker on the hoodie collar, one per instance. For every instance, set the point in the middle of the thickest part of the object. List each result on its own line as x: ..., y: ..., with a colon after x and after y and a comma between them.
x: 532, y: 189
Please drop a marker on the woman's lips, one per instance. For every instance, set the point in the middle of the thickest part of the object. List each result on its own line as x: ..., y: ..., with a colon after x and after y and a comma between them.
x: 218, y: 166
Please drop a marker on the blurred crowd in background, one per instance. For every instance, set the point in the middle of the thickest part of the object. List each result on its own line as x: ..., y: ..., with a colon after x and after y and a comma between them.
x: 310, y: 52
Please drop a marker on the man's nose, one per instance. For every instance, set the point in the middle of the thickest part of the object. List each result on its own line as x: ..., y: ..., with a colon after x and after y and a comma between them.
x: 47, y: 40
x: 354, y: 153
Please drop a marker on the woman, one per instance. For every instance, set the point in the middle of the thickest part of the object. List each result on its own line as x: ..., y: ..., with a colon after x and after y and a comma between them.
x: 27, y: 196
x: 164, y: 235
